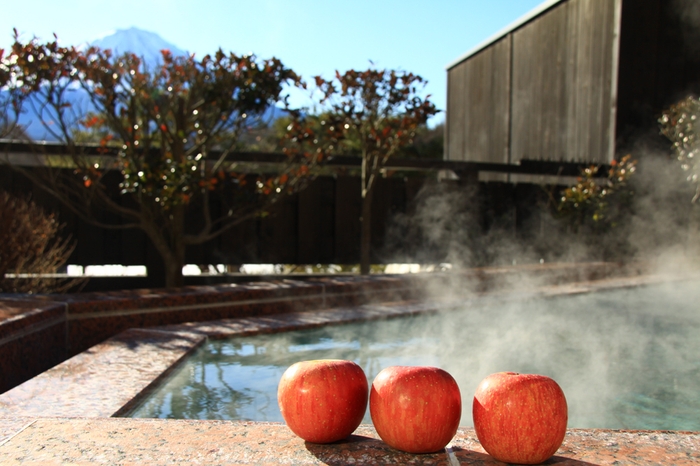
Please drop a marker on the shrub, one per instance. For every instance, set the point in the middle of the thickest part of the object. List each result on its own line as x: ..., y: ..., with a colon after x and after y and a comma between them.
x: 597, y: 211
x: 599, y: 203
x: 31, y: 250
x: 680, y: 123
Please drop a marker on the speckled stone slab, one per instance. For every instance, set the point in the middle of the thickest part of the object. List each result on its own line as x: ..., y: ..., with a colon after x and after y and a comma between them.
x: 10, y: 426
x: 150, y: 441
x: 226, y: 328
x: 32, y: 338
x: 109, y: 378
x: 40, y: 331
x: 100, y: 381
x: 112, y: 377
x: 45, y: 420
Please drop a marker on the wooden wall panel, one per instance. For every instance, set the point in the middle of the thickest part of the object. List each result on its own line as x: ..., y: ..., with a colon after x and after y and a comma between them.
x: 545, y: 91
x: 238, y: 245
x: 389, y: 200
x: 591, y: 80
x: 487, y: 104
x: 278, y: 233
x: 90, y: 240
x: 479, y: 106
x: 539, y: 65
x: 319, y: 225
x: 316, y: 222
x: 456, y: 112
x: 134, y: 244
x: 280, y: 237
x: 563, y: 83
x: 348, y: 207
x: 381, y: 210
x: 659, y: 65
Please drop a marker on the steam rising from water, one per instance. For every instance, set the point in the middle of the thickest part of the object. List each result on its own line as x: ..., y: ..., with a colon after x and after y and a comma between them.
x: 445, y: 226
x: 625, y: 359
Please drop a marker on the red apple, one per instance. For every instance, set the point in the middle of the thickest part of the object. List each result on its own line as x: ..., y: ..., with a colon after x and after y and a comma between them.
x: 415, y: 409
x: 323, y: 401
x: 520, y: 418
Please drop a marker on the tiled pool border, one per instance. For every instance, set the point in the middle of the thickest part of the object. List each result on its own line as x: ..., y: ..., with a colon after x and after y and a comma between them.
x: 108, y: 379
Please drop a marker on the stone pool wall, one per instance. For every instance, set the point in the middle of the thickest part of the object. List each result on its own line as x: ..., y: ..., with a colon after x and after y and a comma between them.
x: 66, y: 414
x: 38, y: 332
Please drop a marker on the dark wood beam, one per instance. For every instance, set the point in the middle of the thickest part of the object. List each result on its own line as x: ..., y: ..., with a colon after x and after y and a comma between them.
x: 461, y: 168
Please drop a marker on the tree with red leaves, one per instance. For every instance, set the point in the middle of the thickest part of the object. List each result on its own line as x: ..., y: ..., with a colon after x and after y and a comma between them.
x: 10, y: 99
x: 376, y: 114
x: 167, y: 133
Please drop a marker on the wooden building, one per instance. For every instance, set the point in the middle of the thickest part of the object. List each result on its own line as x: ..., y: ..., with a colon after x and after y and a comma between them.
x: 573, y: 81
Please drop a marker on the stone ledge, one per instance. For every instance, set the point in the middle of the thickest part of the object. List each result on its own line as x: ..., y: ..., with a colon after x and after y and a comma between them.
x: 38, y: 332
x: 111, y: 377
x: 25, y: 437
x: 141, y: 441
x: 103, y: 379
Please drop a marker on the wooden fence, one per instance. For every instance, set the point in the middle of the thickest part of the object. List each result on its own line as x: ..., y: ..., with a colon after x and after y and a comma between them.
x: 320, y: 225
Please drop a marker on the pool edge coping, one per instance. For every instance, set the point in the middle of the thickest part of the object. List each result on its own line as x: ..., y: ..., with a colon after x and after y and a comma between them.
x: 160, y: 441
x: 244, y: 442
x: 150, y: 341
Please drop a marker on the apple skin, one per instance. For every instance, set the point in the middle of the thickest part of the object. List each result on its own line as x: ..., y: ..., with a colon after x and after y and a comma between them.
x: 415, y: 409
x: 323, y: 401
x: 520, y: 418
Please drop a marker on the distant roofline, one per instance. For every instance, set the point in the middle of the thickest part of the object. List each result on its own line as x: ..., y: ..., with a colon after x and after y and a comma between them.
x: 527, y: 17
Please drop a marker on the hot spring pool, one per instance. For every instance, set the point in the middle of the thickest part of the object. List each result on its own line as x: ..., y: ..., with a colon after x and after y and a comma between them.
x: 626, y: 359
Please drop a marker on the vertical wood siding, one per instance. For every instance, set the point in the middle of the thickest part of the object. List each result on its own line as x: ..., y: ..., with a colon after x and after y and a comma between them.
x: 488, y: 100
x: 456, y: 113
x: 556, y: 103
x: 480, y: 110
x: 563, y: 84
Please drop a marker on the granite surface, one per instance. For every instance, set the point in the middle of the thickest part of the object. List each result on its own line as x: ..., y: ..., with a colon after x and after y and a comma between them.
x: 10, y: 426
x: 38, y: 332
x: 18, y: 316
x: 213, y: 295
x: 63, y: 415
x: 119, y: 441
x: 94, y: 317
x: 111, y: 377
x: 101, y: 381
x: 34, y: 352
x: 32, y: 339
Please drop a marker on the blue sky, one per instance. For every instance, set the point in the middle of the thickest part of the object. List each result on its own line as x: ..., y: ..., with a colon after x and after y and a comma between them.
x: 310, y: 36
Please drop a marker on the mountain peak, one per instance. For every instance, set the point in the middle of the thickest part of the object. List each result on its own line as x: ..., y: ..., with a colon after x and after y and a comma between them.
x: 145, y: 44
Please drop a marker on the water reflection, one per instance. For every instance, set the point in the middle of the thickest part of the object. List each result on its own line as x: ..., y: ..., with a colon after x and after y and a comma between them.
x: 625, y: 359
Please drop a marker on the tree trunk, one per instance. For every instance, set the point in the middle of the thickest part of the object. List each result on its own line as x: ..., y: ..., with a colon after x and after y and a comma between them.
x: 175, y: 261
x: 173, y: 257
x: 170, y: 244
x: 173, y: 270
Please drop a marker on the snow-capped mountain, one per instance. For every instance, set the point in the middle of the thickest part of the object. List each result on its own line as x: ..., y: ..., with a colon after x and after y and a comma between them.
x: 145, y: 44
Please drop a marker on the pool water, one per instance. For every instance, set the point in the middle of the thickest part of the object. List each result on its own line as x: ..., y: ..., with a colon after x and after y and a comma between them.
x: 626, y: 359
